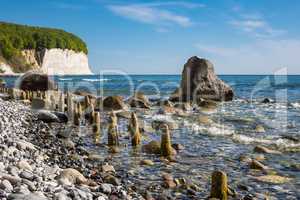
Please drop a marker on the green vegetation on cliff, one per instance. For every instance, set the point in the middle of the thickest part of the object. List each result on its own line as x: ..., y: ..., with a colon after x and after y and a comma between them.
x: 14, y: 38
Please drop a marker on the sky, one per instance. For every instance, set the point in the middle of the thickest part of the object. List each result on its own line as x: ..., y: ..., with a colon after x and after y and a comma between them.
x: 157, y: 37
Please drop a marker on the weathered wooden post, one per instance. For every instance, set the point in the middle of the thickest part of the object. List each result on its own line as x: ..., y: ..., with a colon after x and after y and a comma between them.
x: 96, y: 127
x: 76, y: 116
x: 219, y: 188
x: 91, y: 114
x: 134, y: 130
x: 166, y: 146
x: 113, y: 137
x: 70, y: 105
x: 52, y: 102
x: 61, y: 104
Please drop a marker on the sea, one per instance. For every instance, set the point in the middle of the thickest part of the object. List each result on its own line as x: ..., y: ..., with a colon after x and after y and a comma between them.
x: 220, y: 145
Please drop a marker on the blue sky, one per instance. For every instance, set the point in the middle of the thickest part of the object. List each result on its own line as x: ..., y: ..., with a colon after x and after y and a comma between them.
x: 239, y: 37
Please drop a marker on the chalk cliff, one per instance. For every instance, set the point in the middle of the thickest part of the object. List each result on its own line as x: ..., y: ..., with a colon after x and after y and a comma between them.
x: 53, y: 62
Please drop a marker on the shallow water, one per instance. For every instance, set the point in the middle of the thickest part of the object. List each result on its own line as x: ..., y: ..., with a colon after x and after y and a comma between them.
x: 209, y: 147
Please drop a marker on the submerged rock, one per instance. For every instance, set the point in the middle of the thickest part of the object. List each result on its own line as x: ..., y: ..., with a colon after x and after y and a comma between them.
x: 260, y: 129
x: 261, y: 149
x: 275, y: 179
x: 47, y: 116
x: 200, y: 81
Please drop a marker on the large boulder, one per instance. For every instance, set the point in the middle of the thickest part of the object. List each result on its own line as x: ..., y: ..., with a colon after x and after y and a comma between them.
x: 199, y: 81
x: 35, y: 81
x: 114, y: 103
x: 139, y: 100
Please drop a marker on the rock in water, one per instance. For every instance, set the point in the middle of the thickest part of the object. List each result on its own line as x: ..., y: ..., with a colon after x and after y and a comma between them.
x: 219, y: 188
x: 34, y: 81
x: 200, y: 81
x: 113, y: 103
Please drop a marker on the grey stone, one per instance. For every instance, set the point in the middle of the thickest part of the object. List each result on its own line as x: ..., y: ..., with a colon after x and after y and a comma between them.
x: 6, y: 185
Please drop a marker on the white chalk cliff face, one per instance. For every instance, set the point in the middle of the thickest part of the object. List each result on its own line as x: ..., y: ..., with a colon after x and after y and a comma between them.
x: 56, y: 62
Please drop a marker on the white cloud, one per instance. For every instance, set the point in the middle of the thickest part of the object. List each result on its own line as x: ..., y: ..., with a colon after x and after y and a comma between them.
x: 260, y: 57
x: 150, y: 13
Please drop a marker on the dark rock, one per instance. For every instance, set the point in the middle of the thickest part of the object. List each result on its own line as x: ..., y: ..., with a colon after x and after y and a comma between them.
x: 267, y: 100
x: 200, y: 81
x: 63, y: 118
x: 139, y: 100
x: 47, y: 116
x: 113, y: 103
x: 35, y: 81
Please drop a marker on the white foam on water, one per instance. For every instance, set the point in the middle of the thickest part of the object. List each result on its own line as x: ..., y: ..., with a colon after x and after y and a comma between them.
x: 95, y: 80
x: 296, y: 105
x: 65, y: 79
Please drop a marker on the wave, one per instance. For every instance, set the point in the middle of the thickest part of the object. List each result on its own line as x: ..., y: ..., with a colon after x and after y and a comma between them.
x: 95, y: 80
x: 65, y: 79
x: 295, y: 105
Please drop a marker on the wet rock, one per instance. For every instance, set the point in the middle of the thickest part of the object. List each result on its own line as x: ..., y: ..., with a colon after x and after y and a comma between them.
x: 63, y: 118
x: 156, y: 124
x: 275, y: 179
x: 152, y: 147
x: 166, y: 103
x: 124, y: 114
x: 71, y: 176
x: 260, y: 129
x: 257, y: 165
x: 147, y: 162
x: 207, y: 104
x: 112, y: 180
x: 178, y: 147
x: 204, y: 120
x: 114, y: 103
x: 267, y: 100
x: 186, y: 106
x: 200, y: 81
x: 47, y: 116
x: 34, y: 81
x: 261, y: 149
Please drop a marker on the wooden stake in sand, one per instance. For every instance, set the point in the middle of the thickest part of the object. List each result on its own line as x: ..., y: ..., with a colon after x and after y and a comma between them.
x: 166, y: 146
x: 113, y: 136
x: 96, y: 127
x: 76, y: 115
x: 61, y: 104
x: 219, y: 188
x: 70, y: 105
x: 134, y: 130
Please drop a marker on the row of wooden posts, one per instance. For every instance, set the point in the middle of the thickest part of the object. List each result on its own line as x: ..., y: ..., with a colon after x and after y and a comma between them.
x: 75, y: 111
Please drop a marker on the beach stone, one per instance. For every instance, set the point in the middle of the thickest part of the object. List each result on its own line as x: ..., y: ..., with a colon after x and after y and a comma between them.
x: 47, y: 116
x: 27, y: 175
x: 200, y: 81
x: 24, y: 165
x: 30, y: 196
x: 152, y: 147
x: 112, y: 180
x: 186, y: 106
x: 6, y: 185
x: 106, y: 188
x: 107, y: 168
x: 14, y: 180
x: 34, y: 81
x: 71, y: 176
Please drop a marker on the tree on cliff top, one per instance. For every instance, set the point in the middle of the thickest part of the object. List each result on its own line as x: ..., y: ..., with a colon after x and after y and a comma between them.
x: 14, y: 38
